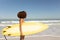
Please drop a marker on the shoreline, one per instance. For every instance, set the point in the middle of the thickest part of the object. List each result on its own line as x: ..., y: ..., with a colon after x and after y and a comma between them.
x: 35, y: 38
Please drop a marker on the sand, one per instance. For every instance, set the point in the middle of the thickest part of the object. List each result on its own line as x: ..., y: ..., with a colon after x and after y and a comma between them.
x: 35, y: 38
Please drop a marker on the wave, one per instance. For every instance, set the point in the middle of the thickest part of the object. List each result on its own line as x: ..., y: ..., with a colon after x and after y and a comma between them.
x: 30, y: 21
x: 49, y: 22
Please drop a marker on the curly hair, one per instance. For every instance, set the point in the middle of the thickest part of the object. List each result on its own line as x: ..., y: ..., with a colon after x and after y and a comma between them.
x: 21, y: 14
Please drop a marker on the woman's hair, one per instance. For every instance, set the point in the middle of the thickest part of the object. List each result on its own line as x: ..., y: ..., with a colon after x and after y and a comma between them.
x: 21, y: 14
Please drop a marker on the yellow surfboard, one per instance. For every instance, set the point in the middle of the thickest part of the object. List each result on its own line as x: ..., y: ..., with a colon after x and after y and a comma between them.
x: 28, y: 28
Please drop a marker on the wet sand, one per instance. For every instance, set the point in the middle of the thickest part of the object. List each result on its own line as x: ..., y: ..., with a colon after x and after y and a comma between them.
x: 35, y: 38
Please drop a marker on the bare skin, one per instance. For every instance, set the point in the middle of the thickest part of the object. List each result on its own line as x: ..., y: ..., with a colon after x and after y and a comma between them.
x: 21, y: 32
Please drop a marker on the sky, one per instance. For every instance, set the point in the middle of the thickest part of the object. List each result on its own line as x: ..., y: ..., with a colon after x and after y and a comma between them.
x: 35, y: 9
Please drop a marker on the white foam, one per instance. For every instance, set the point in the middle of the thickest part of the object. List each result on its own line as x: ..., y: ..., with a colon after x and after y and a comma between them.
x: 30, y: 21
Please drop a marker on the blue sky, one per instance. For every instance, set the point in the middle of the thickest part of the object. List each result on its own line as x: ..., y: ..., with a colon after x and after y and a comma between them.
x: 38, y: 9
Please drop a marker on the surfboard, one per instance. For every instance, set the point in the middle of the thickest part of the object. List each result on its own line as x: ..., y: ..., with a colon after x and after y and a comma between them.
x: 28, y: 28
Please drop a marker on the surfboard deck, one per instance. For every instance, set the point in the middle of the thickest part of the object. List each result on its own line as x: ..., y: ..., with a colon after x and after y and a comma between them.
x: 28, y: 28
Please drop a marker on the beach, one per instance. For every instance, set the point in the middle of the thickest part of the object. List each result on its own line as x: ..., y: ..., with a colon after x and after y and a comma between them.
x: 52, y: 33
x: 36, y: 38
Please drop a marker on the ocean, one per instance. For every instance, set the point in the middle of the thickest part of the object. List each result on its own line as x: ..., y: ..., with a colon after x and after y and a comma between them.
x: 52, y: 32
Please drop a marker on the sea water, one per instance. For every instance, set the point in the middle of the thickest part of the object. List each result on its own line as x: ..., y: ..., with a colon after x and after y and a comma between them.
x: 53, y: 30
